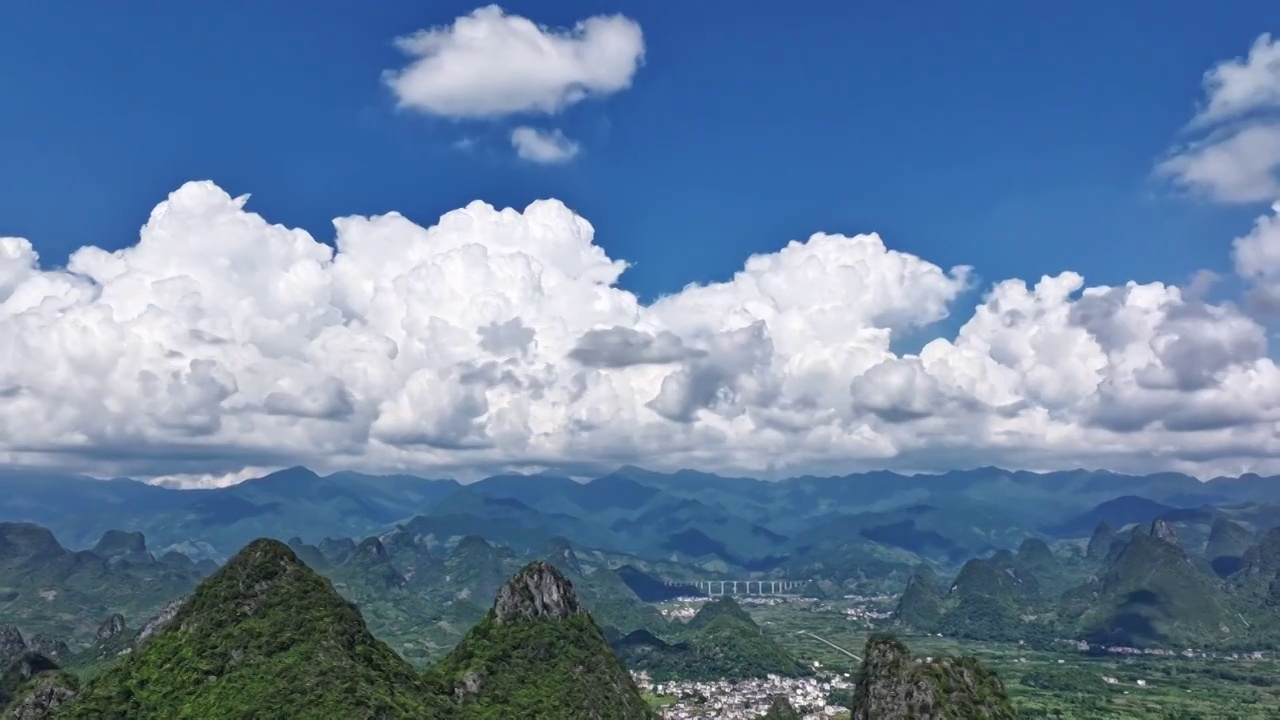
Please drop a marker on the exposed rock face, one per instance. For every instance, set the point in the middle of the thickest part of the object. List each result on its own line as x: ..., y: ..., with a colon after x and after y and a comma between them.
x: 113, y: 627
x: 538, y: 591
x: 50, y: 647
x: 12, y: 646
x: 161, y: 621
x: 539, y: 654
x: 1162, y: 530
x: 29, y: 665
x: 50, y: 692
x: 894, y: 686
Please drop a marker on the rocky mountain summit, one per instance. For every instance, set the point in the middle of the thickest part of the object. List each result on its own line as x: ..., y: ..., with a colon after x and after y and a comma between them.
x: 538, y: 653
x: 538, y: 591
x: 1162, y: 530
x: 893, y: 685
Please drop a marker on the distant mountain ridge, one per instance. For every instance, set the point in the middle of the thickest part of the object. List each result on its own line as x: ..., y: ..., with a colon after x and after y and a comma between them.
x: 697, y: 515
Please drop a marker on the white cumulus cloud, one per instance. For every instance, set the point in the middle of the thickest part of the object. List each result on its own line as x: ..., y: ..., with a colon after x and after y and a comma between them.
x: 1238, y: 159
x: 501, y: 339
x: 490, y: 64
x: 544, y: 147
x: 1243, y: 85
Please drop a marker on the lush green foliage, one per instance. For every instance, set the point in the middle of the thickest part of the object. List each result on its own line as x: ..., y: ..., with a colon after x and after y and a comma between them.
x: 263, y: 637
x: 533, y: 662
x: 893, y: 684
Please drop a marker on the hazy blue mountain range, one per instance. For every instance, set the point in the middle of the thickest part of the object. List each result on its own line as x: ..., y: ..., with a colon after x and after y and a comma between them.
x: 793, y: 525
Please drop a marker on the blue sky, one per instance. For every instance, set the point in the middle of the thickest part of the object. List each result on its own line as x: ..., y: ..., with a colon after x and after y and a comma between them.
x: 1020, y: 141
x: 1135, y: 141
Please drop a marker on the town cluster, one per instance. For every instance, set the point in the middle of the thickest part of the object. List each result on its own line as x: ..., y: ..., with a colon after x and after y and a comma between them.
x: 725, y: 700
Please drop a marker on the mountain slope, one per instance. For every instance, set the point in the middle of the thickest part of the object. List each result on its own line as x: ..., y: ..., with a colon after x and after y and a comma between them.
x: 263, y: 637
x: 894, y: 686
x: 1226, y: 547
x: 538, y: 654
x: 1154, y: 593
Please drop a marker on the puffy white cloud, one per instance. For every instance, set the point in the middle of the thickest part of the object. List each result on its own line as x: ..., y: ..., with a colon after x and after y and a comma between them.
x: 546, y: 147
x: 1238, y: 159
x: 1243, y: 85
x: 489, y: 64
x: 1235, y: 166
x: 499, y: 339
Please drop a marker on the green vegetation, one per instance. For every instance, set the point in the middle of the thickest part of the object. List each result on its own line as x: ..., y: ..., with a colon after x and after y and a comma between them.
x: 1056, y: 681
x: 536, y: 653
x: 892, y: 684
x: 264, y: 637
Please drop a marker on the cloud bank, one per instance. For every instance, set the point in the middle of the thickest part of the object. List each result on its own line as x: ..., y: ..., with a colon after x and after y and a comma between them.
x: 501, y: 339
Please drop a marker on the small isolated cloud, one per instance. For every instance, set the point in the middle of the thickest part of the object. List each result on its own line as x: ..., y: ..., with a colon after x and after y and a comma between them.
x: 544, y: 147
x: 1238, y: 159
x: 489, y: 64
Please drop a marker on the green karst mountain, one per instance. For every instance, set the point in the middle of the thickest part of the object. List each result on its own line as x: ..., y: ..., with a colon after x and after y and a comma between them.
x: 538, y: 654
x: 1228, y: 541
x: 1256, y: 589
x: 720, y: 641
x: 263, y: 637
x: 892, y: 685
x: 1154, y: 593
x: 1100, y: 542
x: 46, y: 589
x: 985, y: 600
x: 920, y: 606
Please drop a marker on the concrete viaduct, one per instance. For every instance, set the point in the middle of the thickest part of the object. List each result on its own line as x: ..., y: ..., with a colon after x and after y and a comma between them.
x: 740, y: 587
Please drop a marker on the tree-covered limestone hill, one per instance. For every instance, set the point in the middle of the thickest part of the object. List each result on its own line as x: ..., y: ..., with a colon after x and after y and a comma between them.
x: 1227, y: 544
x: 1141, y: 588
x: 893, y: 685
x: 263, y: 637
x: 538, y: 654
x: 1255, y: 589
x: 720, y: 642
x: 1154, y: 593
x: 46, y: 589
